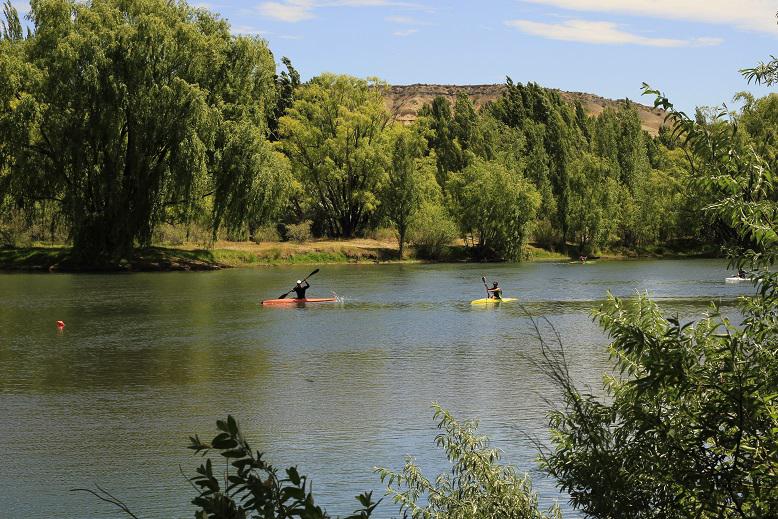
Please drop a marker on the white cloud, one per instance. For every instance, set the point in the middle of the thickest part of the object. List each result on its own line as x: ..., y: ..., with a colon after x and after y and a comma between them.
x: 706, y: 42
x: 299, y: 10
x: 405, y: 32
x: 405, y: 20
x: 247, y: 30
x: 601, y: 33
x: 288, y: 11
x: 752, y: 15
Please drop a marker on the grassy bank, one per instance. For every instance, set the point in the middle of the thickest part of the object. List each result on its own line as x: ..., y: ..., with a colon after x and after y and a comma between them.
x: 191, y: 257
x: 194, y: 257
x: 60, y: 259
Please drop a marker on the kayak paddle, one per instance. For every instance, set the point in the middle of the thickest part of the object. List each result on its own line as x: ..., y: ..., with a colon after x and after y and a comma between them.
x: 283, y: 296
x: 483, y: 278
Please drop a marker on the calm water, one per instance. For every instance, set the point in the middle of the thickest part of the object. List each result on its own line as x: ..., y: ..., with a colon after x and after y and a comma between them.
x: 148, y: 359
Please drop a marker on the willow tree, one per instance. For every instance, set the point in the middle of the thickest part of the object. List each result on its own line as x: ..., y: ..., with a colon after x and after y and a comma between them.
x: 334, y: 136
x: 495, y: 205
x: 126, y: 112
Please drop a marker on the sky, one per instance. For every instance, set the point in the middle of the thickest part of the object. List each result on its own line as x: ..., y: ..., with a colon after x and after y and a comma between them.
x: 689, y: 49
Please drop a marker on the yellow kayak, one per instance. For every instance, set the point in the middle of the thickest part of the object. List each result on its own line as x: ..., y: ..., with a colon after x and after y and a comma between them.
x: 493, y: 301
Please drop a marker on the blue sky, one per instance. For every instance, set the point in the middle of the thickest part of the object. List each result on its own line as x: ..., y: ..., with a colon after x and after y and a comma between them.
x: 690, y: 49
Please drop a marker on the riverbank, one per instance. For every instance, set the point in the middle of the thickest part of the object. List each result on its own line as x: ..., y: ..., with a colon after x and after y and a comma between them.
x: 224, y: 254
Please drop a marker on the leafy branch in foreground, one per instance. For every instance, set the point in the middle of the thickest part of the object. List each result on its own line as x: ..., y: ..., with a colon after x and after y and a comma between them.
x: 479, y: 487
x: 689, y: 427
x: 255, y: 489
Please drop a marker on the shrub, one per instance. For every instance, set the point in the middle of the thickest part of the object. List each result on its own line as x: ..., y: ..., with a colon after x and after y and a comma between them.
x: 255, y: 488
x: 267, y: 233
x: 546, y: 235
x: 479, y: 487
x: 431, y: 231
x: 9, y: 235
x: 300, y: 232
x: 384, y: 234
x: 169, y: 234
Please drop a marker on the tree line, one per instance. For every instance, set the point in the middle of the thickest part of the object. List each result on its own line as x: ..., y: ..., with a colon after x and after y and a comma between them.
x: 117, y: 117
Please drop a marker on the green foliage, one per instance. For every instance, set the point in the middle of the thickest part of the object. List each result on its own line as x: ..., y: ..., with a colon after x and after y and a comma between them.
x: 131, y: 113
x: 287, y: 83
x: 649, y: 213
x: 496, y: 207
x: 689, y: 428
x: 431, y: 230
x: 10, y: 25
x: 334, y: 137
x: 739, y: 183
x: 249, y: 487
x: 593, y: 204
x: 410, y: 181
x: 442, y: 138
x: 300, y: 232
x: 689, y: 425
x: 117, y: 117
x: 619, y: 138
x: 478, y: 487
x: 266, y: 233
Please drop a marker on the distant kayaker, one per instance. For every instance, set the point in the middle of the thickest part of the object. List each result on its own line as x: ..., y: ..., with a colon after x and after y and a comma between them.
x: 299, y: 289
x: 741, y: 273
x: 495, y: 292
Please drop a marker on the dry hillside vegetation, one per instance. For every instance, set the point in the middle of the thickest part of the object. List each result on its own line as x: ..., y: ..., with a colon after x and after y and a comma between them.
x: 404, y: 101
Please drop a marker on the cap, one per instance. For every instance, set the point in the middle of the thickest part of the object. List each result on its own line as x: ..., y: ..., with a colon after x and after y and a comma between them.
x: 299, y: 282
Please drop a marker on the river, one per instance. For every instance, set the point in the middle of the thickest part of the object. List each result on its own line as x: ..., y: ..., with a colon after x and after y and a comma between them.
x: 146, y: 360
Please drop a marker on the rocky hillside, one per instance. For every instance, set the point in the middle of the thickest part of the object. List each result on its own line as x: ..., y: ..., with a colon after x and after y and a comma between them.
x: 404, y: 101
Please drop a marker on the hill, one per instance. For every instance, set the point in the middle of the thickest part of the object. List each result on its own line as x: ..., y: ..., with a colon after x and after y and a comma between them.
x: 404, y: 101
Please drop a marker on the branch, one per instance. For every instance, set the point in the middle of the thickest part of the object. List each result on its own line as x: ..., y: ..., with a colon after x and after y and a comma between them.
x: 104, y: 495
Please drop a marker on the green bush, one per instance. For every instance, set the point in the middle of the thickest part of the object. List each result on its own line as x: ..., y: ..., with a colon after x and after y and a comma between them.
x: 254, y: 488
x: 9, y: 235
x: 384, y: 234
x: 168, y: 234
x: 431, y: 231
x: 478, y: 486
x: 265, y: 234
x: 300, y: 232
x: 546, y: 235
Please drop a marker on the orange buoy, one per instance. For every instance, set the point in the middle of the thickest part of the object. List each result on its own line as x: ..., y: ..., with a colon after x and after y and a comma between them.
x: 60, y: 324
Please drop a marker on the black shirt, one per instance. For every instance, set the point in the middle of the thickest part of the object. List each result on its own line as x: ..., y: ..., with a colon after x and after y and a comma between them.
x: 300, y: 291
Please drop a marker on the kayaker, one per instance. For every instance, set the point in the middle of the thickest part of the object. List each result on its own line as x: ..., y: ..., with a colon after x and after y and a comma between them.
x: 741, y: 273
x: 299, y: 289
x: 495, y: 292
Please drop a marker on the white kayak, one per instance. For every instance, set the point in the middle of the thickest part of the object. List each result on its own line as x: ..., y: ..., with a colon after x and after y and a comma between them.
x: 737, y: 279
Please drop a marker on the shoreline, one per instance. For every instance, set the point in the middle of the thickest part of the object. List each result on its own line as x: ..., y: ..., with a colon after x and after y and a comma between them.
x: 223, y: 255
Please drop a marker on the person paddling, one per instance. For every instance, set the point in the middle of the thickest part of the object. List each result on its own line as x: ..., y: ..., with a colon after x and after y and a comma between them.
x: 495, y: 292
x: 299, y: 289
x: 741, y: 273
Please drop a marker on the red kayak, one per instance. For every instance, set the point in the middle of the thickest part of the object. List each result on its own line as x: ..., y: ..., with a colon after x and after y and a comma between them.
x: 298, y: 301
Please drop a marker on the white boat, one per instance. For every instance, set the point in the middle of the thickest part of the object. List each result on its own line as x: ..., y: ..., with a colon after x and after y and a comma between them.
x: 737, y: 279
